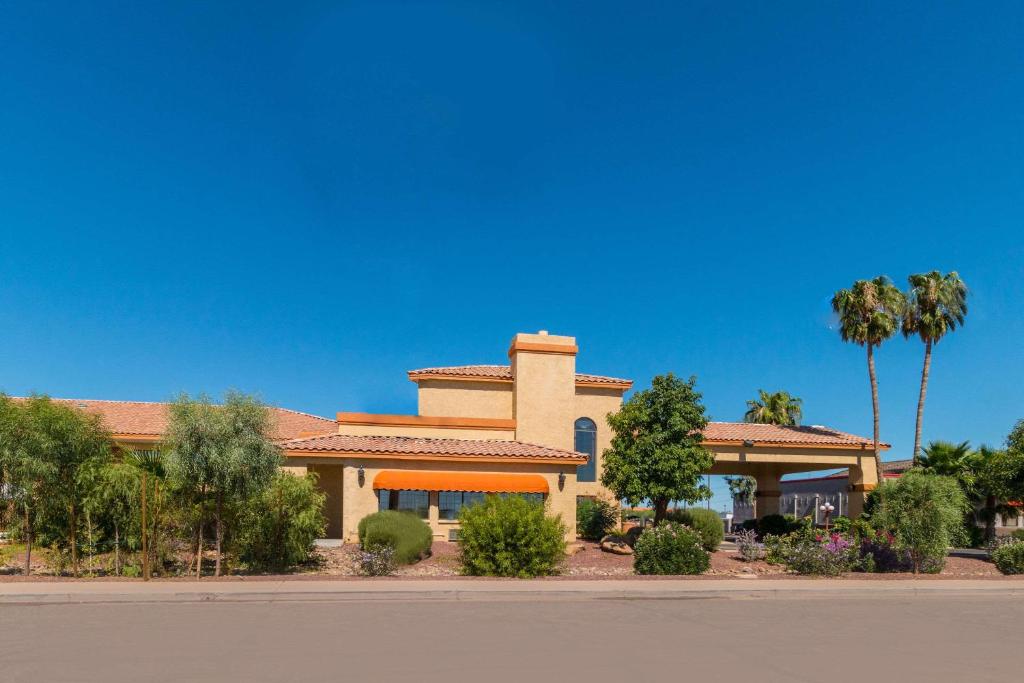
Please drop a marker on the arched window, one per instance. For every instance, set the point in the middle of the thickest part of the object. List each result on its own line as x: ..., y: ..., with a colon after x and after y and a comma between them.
x: 586, y: 442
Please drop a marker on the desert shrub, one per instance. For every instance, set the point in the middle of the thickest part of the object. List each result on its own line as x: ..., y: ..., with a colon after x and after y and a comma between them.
x: 670, y: 548
x: 925, y: 513
x: 278, y: 527
x: 775, y: 548
x: 407, y: 534
x: 379, y: 560
x: 705, y: 522
x: 596, y: 518
x: 820, y: 554
x: 879, y: 554
x: 1009, y: 558
x: 510, y: 537
x: 1018, y: 534
x: 632, y: 534
x: 750, y: 549
x: 776, y: 525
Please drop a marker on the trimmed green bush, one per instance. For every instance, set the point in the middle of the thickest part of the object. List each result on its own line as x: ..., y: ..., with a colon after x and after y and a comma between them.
x: 1009, y: 558
x: 510, y: 536
x: 409, y: 535
x: 1018, y: 534
x: 670, y: 548
x: 277, y: 528
x: 595, y: 517
x: 705, y: 522
x: 924, y: 512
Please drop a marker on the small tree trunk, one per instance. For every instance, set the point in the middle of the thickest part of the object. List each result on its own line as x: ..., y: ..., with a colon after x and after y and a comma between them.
x: 920, y: 400
x: 990, y: 517
x: 117, y: 550
x: 874, y: 410
x: 74, y: 540
x: 145, y: 531
x: 199, y: 549
x: 220, y: 532
x: 28, y: 541
x: 660, y: 510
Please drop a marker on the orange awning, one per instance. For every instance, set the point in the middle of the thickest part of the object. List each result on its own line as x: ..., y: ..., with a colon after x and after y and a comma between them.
x: 460, y: 481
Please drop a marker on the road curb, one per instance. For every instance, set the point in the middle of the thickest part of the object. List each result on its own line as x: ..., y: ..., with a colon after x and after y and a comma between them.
x: 415, y: 591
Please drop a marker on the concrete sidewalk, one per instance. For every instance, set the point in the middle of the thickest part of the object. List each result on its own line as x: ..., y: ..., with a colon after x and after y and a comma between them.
x: 62, y: 592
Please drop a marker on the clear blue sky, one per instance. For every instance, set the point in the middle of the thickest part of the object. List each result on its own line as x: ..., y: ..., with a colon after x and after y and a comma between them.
x: 307, y: 199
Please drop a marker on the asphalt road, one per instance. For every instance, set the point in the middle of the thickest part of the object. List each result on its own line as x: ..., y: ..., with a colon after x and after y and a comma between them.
x: 820, y: 638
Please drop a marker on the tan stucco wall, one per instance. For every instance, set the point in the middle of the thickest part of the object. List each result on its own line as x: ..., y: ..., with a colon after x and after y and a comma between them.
x: 441, y: 398
x: 427, y: 432
x: 359, y: 501
x: 545, y: 391
x: 597, y: 403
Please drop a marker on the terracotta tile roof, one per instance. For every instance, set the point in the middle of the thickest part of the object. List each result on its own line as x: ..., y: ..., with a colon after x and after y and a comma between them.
x: 141, y: 418
x: 502, y: 372
x: 775, y: 434
x: 410, y: 445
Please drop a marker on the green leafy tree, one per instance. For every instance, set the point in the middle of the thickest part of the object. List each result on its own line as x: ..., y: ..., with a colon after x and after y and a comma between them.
x: 219, y: 455
x: 774, y: 408
x: 869, y: 313
x: 25, y: 473
x: 936, y: 305
x: 656, y: 452
x: 992, y: 467
x: 925, y: 513
x: 742, y: 488
x: 153, y: 520
x: 112, y: 493
x: 69, y: 442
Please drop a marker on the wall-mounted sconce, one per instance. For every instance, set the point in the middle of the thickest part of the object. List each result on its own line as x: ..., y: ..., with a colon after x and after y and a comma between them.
x: 747, y: 443
x: 362, y: 476
x: 561, y: 480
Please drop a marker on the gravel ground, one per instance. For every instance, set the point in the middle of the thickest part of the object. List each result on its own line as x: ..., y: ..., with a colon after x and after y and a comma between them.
x: 590, y: 562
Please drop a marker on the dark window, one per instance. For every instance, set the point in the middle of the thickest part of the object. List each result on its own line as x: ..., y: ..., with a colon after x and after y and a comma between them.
x: 586, y: 442
x: 450, y: 502
x: 417, y: 502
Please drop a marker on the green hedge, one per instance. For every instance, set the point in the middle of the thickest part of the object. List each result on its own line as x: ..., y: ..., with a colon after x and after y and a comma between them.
x: 670, y: 548
x: 409, y: 535
x: 510, y: 536
x: 705, y: 522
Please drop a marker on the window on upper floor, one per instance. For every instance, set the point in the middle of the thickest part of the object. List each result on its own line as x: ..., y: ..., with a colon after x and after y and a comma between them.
x: 586, y: 442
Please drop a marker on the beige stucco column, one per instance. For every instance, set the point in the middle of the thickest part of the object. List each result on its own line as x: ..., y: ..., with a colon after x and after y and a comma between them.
x: 863, y: 480
x: 768, y: 494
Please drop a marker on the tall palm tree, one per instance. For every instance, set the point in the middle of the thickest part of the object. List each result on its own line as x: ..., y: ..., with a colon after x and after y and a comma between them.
x: 776, y: 408
x: 869, y: 313
x: 936, y: 304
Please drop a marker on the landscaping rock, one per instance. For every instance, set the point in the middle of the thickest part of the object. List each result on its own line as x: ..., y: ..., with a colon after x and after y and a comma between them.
x: 574, y: 548
x: 616, y: 545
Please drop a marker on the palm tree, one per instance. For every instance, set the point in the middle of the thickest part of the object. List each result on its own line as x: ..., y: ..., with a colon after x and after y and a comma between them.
x: 778, y: 408
x: 869, y: 313
x: 936, y: 304
x: 956, y: 460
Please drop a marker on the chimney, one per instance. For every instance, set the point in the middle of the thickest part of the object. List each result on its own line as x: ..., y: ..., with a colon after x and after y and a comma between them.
x: 544, y: 388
